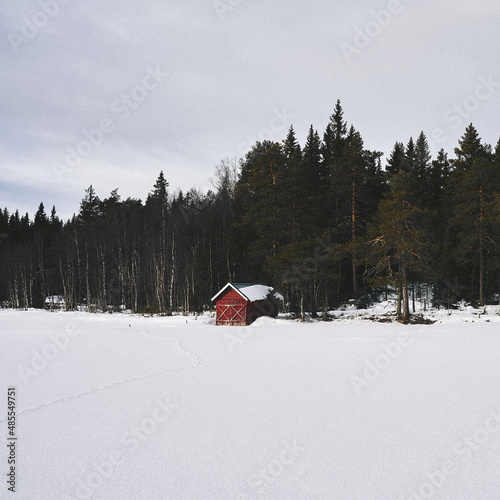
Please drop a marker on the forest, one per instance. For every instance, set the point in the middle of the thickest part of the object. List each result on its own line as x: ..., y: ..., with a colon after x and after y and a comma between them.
x: 325, y: 223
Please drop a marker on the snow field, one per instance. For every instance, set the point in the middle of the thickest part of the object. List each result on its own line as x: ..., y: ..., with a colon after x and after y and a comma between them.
x: 122, y: 406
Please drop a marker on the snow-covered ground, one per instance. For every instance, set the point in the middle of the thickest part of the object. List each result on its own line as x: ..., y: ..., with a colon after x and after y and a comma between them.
x: 126, y: 407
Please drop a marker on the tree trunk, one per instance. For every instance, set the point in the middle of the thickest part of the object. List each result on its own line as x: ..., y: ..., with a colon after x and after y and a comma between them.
x: 398, y: 308
x: 87, y: 277
x: 481, y: 273
x: 481, y: 251
x: 135, y: 279
x: 64, y: 283
x: 101, y: 251
x: 353, y: 238
x: 172, y: 275
x: 314, y: 313
x: 79, y: 267
x: 406, y: 306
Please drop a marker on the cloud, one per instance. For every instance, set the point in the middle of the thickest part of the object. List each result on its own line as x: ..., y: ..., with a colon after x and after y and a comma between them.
x: 226, y: 78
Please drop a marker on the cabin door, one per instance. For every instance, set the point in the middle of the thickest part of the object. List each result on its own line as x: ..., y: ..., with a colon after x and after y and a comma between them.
x: 232, y: 313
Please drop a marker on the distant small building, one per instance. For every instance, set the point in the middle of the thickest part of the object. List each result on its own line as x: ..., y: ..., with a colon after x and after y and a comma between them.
x: 241, y: 304
x: 54, y: 302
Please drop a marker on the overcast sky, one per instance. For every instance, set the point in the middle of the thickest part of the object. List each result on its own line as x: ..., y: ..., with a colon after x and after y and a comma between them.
x: 109, y: 93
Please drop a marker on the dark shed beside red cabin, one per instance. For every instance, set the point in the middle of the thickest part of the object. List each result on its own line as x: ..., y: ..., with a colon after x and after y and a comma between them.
x: 242, y: 303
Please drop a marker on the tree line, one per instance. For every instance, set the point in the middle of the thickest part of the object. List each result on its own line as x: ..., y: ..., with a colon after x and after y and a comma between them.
x: 325, y: 223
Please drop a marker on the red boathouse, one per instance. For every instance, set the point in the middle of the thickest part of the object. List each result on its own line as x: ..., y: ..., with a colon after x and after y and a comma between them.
x: 242, y: 303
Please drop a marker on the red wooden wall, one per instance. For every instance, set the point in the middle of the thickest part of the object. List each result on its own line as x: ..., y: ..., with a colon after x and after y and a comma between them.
x: 231, y: 309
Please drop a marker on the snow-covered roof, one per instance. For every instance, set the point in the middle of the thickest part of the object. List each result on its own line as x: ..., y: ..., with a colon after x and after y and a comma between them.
x: 255, y: 292
x: 250, y: 291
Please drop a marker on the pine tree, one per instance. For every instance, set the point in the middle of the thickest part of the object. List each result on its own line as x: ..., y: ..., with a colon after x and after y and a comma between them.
x: 410, y: 156
x: 355, y: 168
x: 397, y: 160
x: 25, y: 226
x: 161, y: 247
x: 300, y: 213
x: 334, y: 140
x: 496, y: 158
x: 15, y: 226
x: 398, y: 242
x: 470, y: 148
x: 89, y: 206
x: 54, y: 221
x: 421, y: 170
x: 474, y: 183
x: 41, y: 219
x: 314, y: 184
x: 334, y: 137
x: 258, y: 210
x: 160, y: 190
x: 438, y: 175
x: 289, y: 206
x: 291, y: 147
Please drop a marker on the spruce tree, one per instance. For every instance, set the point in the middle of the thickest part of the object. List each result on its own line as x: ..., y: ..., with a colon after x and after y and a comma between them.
x: 258, y: 209
x: 334, y: 137
x: 89, y: 206
x: 474, y: 183
x: 334, y: 140
x: 355, y: 169
x: 41, y: 220
x: 314, y: 184
x: 410, y: 156
x: 421, y: 171
x: 470, y: 148
x: 397, y: 160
